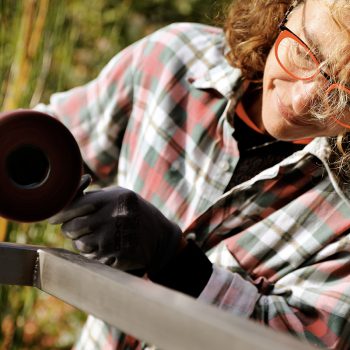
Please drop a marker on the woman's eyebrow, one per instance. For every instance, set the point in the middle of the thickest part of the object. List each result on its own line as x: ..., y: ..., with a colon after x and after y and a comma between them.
x: 311, y: 40
x: 315, y: 44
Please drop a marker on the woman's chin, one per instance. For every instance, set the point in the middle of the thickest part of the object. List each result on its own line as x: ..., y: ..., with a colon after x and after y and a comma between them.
x: 280, y: 130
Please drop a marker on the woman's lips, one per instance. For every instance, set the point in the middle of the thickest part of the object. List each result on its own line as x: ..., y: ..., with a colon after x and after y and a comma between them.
x: 288, y: 115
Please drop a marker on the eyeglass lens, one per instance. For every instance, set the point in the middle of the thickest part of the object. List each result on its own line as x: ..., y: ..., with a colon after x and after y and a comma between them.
x: 297, y: 59
x: 299, y: 62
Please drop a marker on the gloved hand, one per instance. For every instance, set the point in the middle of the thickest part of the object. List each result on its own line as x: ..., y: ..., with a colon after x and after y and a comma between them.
x: 119, y: 228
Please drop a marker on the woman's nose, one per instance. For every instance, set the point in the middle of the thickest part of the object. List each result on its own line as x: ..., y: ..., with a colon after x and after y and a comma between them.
x: 303, y: 95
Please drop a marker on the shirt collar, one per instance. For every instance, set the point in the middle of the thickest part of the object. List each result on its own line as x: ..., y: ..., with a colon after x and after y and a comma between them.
x: 222, y: 77
x: 321, y: 148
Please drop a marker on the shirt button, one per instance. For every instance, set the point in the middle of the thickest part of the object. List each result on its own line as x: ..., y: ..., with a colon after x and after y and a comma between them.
x: 191, y: 235
x: 176, y: 166
x: 224, y: 165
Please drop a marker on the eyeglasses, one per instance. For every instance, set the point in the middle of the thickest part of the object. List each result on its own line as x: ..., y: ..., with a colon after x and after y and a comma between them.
x: 298, y: 60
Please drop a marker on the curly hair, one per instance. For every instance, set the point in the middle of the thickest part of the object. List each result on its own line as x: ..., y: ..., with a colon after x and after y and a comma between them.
x: 251, y: 28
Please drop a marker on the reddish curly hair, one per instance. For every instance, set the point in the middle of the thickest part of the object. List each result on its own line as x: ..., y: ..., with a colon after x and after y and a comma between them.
x: 251, y: 28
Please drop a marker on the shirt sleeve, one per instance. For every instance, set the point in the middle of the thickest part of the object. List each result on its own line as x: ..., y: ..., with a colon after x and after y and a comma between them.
x: 303, y: 303
x: 98, y: 112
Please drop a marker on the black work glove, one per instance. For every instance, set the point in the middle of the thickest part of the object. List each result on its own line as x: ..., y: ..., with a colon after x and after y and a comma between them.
x: 119, y: 228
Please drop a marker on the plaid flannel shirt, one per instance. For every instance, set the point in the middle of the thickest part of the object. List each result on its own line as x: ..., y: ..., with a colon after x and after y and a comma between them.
x: 158, y: 120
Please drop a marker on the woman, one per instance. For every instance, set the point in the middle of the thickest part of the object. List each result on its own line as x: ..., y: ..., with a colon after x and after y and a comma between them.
x: 229, y: 141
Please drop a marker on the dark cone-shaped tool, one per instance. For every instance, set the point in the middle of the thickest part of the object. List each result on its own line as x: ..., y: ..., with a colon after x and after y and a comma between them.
x: 40, y: 166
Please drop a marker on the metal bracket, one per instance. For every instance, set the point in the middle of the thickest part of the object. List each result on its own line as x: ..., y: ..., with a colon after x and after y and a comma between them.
x: 17, y: 264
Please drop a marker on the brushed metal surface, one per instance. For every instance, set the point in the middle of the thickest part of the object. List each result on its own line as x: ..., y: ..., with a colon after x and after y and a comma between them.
x: 151, y: 312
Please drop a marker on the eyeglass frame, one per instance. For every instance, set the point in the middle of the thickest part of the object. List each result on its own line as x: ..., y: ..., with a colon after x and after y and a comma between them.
x: 286, y: 32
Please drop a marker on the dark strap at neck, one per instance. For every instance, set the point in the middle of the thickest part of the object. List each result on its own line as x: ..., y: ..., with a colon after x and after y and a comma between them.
x: 257, y: 152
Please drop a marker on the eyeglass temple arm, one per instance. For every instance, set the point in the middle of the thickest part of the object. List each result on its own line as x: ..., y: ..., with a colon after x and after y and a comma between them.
x: 290, y: 9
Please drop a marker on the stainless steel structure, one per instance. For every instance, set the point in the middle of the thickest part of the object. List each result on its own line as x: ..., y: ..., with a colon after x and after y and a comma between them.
x: 169, y: 319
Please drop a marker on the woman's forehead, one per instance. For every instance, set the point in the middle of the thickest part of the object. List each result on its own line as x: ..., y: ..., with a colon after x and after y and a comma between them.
x: 322, y: 29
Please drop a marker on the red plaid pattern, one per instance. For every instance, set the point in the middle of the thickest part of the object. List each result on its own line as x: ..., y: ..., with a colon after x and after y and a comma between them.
x: 157, y: 121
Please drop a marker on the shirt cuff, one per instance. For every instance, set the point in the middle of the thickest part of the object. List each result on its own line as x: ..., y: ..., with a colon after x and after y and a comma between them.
x: 230, y: 291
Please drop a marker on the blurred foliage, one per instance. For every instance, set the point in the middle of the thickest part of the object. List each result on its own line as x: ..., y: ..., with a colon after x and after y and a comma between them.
x: 48, y: 46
